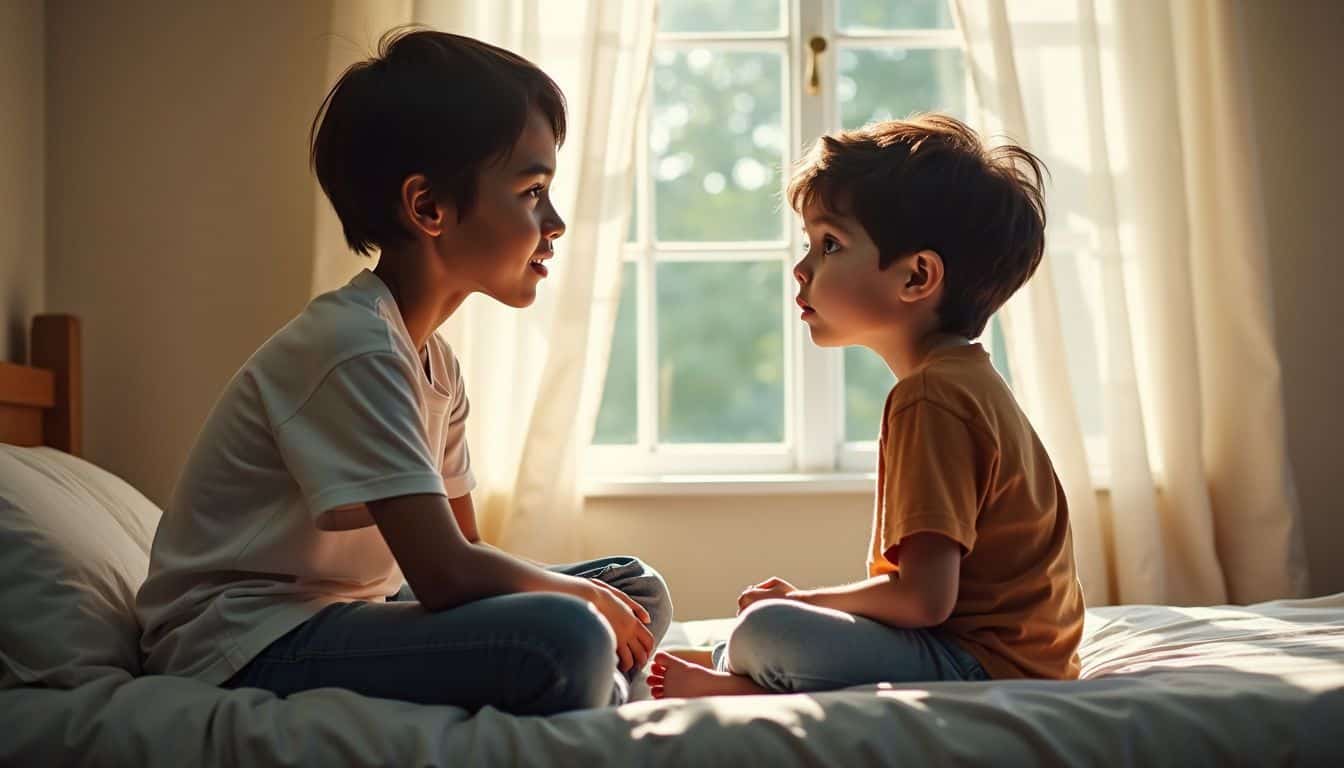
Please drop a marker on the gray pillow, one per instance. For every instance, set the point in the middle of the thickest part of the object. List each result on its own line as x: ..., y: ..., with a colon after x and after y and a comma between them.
x: 74, y: 548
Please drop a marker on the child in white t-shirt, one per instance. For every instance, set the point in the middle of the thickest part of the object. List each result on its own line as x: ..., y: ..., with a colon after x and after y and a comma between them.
x: 335, y: 462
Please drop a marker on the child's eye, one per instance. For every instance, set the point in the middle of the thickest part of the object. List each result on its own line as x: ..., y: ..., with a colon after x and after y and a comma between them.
x: 828, y: 245
x: 535, y: 192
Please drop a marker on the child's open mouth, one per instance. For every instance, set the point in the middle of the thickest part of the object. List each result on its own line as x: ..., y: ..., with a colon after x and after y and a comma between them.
x: 538, y: 267
x: 808, y: 311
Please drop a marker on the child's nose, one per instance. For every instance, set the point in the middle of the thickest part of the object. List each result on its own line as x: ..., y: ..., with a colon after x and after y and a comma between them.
x: 552, y: 226
x: 800, y: 272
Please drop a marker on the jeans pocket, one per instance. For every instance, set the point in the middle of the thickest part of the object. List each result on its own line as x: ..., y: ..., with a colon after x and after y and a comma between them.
x: 977, y: 673
x: 967, y: 665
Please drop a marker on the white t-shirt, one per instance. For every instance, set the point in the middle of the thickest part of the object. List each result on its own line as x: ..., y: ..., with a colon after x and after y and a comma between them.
x: 267, y: 524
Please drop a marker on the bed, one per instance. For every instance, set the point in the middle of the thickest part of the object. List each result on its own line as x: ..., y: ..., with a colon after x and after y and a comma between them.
x: 1227, y: 685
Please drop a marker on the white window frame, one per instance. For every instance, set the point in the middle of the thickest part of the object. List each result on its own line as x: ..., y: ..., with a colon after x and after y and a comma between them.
x: 814, y: 455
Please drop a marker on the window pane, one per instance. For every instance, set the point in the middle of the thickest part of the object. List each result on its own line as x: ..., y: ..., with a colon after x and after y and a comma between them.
x: 867, y: 382
x: 720, y: 352
x: 618, y: 418
x: 880, y: 15
x: 718, y: 16
x: 887, y: 83
x: 716, y: 144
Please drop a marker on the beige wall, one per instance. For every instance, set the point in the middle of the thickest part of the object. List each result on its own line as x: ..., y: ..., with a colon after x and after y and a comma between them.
x: 22, y: 146
x: 1296, y: 63
x: 180, y: 205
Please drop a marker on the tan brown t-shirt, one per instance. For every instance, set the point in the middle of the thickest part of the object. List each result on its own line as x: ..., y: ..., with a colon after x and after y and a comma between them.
x: 958, y: 457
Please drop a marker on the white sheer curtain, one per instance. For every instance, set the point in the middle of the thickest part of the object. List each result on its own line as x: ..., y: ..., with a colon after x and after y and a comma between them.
x: 1156, y: 242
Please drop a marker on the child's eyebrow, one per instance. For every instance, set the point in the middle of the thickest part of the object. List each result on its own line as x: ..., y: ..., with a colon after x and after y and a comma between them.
x: 537, y: 169
x: 825, y: 221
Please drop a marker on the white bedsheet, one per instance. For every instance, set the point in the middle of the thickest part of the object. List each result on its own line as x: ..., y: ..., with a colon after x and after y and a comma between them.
x: 1164, y: 686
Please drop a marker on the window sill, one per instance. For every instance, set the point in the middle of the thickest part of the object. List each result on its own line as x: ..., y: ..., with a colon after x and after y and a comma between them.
x: 660, y: 485
x: 729, y: 485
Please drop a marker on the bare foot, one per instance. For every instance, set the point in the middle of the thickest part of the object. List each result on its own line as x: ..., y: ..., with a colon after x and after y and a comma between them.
x: 673, y: 678
x: 694, y: 654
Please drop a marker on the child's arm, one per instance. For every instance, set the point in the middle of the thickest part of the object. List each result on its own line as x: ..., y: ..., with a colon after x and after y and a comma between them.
x: 464, y: 511
x: 445, y: 569
x: 921, y: 595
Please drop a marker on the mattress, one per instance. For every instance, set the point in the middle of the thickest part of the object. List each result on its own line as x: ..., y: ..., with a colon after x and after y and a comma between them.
x: 1258, y: 685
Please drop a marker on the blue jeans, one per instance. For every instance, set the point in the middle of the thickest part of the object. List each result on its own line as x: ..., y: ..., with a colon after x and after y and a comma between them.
x: 789, y: 647
x: 526, y: 653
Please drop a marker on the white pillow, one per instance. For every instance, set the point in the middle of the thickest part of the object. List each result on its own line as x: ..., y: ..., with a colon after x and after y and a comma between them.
x: 74, y: 548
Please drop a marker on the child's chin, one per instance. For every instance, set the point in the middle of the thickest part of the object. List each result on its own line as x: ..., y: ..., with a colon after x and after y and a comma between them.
x: 823, y: 338
x: 517, y: 300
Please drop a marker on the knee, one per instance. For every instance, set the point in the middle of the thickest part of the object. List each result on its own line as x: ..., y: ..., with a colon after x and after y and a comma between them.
x: 658, y: 603
x: 647, y: 587
x: 583, y: 649
x: 763, y: 637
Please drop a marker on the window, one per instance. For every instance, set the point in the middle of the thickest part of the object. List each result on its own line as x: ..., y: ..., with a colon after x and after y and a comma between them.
x: 710, y: 369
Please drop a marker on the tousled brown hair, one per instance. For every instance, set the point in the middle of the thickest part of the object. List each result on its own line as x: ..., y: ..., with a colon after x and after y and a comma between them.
x: 929, y: 183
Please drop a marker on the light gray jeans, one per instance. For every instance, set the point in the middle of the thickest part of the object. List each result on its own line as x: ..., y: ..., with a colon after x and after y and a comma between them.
x: 789, y: 647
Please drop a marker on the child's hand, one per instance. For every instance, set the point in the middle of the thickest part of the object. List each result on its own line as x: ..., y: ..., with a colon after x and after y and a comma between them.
x: 634, y: 641
x: 771, y: 589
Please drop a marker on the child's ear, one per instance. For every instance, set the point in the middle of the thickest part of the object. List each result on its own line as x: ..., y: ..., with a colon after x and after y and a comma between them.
x: 923, y: 275
x: 419, y: 209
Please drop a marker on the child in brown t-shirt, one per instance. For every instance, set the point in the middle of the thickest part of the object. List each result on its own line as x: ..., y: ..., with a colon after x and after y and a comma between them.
x: 917, y: 234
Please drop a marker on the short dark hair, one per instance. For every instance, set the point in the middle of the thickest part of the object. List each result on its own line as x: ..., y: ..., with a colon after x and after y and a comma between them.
x: 429, y: 102
x: 928, y: 182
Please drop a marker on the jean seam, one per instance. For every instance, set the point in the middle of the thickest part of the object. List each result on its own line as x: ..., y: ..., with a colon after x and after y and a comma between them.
x: 790, y: 677
x: 461, y: 645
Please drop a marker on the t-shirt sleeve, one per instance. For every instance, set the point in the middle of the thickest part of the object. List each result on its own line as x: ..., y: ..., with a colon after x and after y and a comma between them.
x: 931, y: 459
x: 359, y: 437
x: 456, y: 467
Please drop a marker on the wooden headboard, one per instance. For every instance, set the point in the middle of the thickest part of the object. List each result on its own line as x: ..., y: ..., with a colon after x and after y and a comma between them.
x: 40, y: 402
